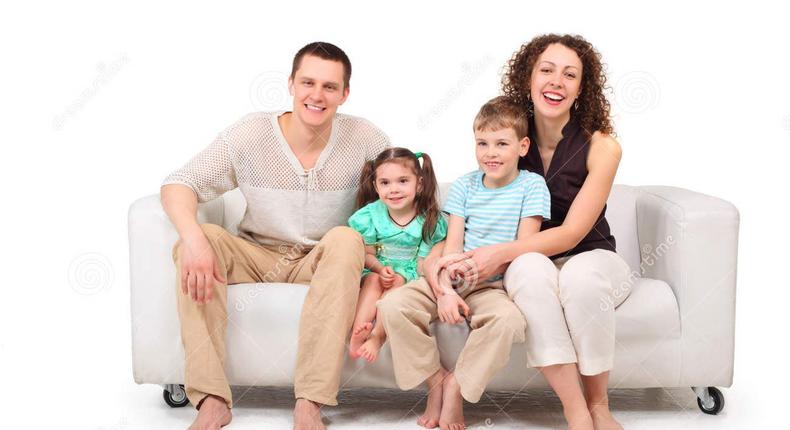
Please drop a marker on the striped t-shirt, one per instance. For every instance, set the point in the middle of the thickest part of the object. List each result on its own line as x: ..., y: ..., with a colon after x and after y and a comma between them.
x: 491, y: 215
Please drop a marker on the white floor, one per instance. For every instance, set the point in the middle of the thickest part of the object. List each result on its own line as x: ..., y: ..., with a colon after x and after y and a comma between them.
x: 262, y: 408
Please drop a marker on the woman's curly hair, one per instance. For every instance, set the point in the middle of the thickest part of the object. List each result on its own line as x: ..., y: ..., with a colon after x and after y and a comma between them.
x: 593, y: 107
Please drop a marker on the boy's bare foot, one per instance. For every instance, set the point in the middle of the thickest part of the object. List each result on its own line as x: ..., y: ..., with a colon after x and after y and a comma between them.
x: 212, y: 415
x: 370, y: 349
x: 452, y: 416
x: 358, y: 336
x: 602, y: 418
x: 433, y: 406
x: 307, y: 415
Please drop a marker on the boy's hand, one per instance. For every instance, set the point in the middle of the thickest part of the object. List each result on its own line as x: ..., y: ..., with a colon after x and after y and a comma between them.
x: 387, y: 276
x: 447, y: 308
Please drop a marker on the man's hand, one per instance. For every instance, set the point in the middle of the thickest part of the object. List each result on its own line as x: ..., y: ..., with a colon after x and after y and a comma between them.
x: 447, y: 308
x: 199, y: 269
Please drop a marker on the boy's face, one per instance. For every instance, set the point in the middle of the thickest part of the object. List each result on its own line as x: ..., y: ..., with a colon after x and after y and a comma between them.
x: 318, y: 90
x: 498, y: 152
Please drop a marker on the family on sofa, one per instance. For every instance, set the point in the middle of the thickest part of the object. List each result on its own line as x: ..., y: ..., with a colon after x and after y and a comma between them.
x: 520, y: 251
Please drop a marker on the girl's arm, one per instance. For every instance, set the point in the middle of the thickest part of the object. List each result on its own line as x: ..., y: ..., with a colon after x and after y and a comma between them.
x: 602, y: 162
x: 371, y: 262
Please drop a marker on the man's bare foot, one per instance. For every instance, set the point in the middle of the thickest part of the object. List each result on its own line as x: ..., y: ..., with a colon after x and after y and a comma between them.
x: 307, y: 415
x: 452, y: 416
x: 370, y: 349
x: 433, y: 406
x: 358, y: 336
x: 212, y: 415
x: 602, y: 418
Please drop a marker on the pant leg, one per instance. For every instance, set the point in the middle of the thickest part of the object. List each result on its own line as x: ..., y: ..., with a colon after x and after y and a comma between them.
x: 592, y: 284
x: 532, y: 282
x: 406, y: 314
x: 333, y: 269
x: 203, y: 326
x: 496, y: 323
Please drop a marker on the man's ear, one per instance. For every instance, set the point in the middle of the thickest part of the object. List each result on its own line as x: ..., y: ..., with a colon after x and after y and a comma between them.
x: 523, y: 146
x: 346, y: 92
x: 291, y: 85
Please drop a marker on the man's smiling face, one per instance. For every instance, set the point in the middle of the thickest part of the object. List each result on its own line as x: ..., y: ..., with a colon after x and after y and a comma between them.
x: 317, y: 88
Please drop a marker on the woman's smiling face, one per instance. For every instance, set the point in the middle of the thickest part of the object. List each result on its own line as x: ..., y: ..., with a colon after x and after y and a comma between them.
x: 555, y: 82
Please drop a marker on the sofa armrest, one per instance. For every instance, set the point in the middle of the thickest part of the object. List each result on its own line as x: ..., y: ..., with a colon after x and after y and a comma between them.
x: 155, y: 327
x: 690, y: 241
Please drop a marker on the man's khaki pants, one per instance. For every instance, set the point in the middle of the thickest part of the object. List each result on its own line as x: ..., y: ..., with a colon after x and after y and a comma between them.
x: 332, y: 269
x: 495, y: 321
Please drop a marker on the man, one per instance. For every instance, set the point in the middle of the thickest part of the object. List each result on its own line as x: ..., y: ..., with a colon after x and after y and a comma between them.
x: 299, y: 172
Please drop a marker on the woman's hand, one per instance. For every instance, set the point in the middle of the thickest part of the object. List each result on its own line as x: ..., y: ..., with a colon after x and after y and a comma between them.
x: 483, y: 263
x: 447, y: 308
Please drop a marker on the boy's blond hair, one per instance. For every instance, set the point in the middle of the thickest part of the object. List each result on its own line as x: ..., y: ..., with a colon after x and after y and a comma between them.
x: 502, y: 112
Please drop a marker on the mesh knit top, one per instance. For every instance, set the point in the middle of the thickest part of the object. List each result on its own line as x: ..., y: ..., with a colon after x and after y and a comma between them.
x: 286, y: 204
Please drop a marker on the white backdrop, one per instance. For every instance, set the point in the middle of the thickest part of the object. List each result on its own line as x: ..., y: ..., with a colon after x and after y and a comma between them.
x: 99, y: 101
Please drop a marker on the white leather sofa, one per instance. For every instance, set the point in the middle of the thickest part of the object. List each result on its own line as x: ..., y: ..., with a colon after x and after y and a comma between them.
x: 676, y: 329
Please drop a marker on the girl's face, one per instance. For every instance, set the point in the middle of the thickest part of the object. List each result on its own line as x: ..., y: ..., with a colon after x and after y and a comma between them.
x: 397, y: 185
x: 556, y: 81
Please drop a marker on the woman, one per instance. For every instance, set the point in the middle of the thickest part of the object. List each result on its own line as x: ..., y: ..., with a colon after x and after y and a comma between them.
x: 567, y: 299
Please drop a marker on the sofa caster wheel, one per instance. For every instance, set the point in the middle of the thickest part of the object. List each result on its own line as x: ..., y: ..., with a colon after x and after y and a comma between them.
x: 175, y: 396
x: 709, y: 399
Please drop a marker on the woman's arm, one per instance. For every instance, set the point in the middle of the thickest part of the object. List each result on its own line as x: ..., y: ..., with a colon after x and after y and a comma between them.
x: 602, y: 162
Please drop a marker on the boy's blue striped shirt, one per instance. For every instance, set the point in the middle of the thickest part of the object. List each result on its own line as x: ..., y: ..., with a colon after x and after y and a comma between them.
x: 492, y: 215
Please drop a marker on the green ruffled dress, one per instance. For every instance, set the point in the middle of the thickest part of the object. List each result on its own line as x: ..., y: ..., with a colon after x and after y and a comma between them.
x: 397, y: 247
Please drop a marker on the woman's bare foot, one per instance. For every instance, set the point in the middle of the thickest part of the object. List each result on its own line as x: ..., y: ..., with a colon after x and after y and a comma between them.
x: 370, y: 349
x: 212, y: 415
x: 578, y: 419
x: 433, y: 406
x: 602, y: 418
x: 358, y: 336
x: 452, y: 416
x: 307, y: 415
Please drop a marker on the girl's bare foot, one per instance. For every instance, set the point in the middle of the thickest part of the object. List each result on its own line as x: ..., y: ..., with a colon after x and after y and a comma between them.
x: 212, y: 415
x: 433, y: 406
x: 452, y: 416
x: 603, y: 419
x: 358, y: 336
x: 370, y: 349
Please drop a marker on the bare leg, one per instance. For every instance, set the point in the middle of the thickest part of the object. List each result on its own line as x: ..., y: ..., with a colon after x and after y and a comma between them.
x: 212, y: 415
x: 564, y: 379
x: 370, y: 293
x: 452, y: 416
x: 595, y: 390
x: 307, y: 415
x: 370, y: 349
x: 433, y: 406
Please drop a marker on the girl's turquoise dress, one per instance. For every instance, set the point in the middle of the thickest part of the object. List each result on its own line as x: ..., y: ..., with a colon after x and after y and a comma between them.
x: 397, y: 247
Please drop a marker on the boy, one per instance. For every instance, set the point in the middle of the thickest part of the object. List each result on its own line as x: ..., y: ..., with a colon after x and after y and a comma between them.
x: 494, y: 204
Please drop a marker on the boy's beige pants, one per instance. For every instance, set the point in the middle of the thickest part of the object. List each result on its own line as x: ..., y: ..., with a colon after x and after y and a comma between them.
x: 495, y: 321
x: 332, y: 269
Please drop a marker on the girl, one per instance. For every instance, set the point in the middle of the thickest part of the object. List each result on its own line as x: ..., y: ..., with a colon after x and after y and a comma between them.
x: 400, y: 221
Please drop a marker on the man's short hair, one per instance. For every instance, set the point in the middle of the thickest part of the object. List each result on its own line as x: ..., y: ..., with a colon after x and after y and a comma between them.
x: 502, y: 112
x: 325, y: 51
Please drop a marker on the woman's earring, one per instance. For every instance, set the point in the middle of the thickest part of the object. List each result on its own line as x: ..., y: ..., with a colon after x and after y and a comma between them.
x: 529, y: 104
x: 576, y: 104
